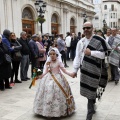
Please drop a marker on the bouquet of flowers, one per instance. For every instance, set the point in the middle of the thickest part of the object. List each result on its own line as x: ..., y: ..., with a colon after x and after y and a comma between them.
x: 36, y: 73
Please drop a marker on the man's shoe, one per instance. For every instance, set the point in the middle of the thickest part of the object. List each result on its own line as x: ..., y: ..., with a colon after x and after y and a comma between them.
x: 27, y: 78
x: 2, y: 89
x: 66, y: 66
x: 116, y: 82
x: 23, y: 80
x: 8, y: 87
x: 17, y: 81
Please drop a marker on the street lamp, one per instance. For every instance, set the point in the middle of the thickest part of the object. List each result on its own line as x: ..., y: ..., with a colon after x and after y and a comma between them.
x: 104, y: 26
x: 41, y: 8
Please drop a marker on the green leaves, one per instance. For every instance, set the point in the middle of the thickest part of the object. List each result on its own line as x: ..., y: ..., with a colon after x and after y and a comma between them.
x: 40, y: 20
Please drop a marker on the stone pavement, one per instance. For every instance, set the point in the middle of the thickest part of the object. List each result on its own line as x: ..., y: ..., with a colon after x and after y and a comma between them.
x: 17, y: 104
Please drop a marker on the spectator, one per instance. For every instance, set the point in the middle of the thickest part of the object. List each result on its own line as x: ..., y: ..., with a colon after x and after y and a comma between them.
x: 79, y: 36
x: 46, y: 43
x: 73, y: 45
x: 62, y: 48
x: 25, y: 51
x: 68, y: 43
x: 5, y: 69
x: 15, y: 60
x: 42, y: 49
x: 34, y: 51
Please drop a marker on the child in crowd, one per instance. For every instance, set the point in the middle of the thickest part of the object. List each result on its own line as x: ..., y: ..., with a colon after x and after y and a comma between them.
x: 53, y: 97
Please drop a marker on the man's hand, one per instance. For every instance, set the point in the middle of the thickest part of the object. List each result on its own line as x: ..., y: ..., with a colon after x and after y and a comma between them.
x: 73, y: 75
x: 87, y: 51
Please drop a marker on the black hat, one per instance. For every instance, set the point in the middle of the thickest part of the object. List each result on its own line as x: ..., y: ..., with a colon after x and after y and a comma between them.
x: 6, y: 33
x: 34, y: 36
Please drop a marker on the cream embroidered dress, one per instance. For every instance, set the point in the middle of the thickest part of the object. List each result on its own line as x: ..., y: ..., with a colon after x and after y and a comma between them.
x: 50, y: 100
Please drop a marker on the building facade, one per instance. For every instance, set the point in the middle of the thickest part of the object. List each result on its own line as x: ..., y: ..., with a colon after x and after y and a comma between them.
x: 98, y: 16
x: 107, y: 11
x: 61, y: 16
x: 111, y: 10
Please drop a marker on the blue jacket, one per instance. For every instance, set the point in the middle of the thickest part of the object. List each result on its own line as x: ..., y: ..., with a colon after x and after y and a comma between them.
x: 7, y: 42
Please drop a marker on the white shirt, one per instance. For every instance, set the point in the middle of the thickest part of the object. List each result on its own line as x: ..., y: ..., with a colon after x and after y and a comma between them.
x: 107, y: 38
x: 68, y: 41
x: 81, y: 46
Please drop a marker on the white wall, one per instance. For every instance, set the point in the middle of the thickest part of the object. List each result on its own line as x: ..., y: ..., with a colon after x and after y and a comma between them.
x: 11, y: 14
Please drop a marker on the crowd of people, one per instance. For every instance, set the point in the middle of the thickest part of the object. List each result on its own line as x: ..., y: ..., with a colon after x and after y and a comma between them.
x: 96, y: 54
x: 29, y: 49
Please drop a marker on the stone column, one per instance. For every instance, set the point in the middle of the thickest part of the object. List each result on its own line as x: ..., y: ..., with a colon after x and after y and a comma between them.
x: 65, y: 20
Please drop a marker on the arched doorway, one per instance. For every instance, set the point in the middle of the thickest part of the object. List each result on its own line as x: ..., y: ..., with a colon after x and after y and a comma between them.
x: 72, y: 25
x: 54, y: 25
x: 27, y: 21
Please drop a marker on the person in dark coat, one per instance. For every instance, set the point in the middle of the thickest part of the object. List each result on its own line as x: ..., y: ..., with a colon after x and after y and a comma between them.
x: 15, y: 60
x: 34, y: 51
x: 47, y: 43
x: 5, y: 39
x: 25, y: 56
x: 5, y: 69
x: 73, y: 45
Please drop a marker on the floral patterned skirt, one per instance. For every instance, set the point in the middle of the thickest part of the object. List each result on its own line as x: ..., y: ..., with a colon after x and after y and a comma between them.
x: 50, y: 100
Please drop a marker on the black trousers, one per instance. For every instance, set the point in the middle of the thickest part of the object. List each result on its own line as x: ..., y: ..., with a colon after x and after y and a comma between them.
x: 90, y: 108
x: 41, y: 64
x: 2, y: 86
x: 63, y: 57
x: 15, y: 69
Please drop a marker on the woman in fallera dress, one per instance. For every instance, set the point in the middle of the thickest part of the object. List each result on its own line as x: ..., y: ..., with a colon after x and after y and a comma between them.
x: 50, y: 99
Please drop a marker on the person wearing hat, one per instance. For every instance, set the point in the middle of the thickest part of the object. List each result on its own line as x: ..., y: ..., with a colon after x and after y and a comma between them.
x: 6, y: 39
x: 34, y: 51
x: 5, y: 69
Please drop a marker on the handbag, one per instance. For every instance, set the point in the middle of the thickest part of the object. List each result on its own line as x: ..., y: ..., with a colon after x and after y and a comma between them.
x: 17, y: 56
x: 41, y: 55
x: 7, y: 58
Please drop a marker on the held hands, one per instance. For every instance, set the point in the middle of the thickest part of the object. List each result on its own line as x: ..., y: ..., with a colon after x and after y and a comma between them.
x: 87, y: 51
x: 13, y: 47
x: 116, y: 49
x: 73, y: 75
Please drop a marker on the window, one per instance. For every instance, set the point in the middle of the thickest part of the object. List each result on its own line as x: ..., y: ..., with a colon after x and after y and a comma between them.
x: 112, y: 7
x: 111, y: 24
x: 105, y: 16
x: 111, y: 15
x: 105, y: 7
x: 72, y: 22
x: 54, y: 19
x: 96, y: 17
x: 27, y: 14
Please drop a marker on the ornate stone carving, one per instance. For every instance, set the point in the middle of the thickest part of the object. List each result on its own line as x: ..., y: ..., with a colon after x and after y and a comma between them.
x: 65, y: 10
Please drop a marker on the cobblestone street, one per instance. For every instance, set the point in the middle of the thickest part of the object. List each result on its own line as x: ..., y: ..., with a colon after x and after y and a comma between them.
x: 17, y: 104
